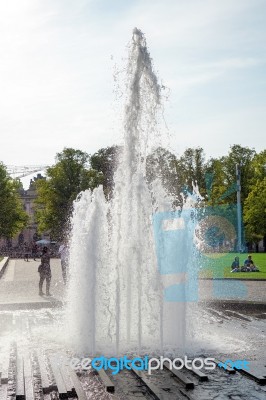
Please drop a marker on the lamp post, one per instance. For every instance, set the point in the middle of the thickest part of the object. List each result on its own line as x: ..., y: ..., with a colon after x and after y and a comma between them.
x: 239, y: 219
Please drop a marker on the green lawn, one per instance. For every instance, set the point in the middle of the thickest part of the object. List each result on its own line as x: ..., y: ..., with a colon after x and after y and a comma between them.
x: 1, y: 258
x: 219, y: 266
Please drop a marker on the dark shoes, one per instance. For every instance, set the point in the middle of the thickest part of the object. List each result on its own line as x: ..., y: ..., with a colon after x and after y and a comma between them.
x: 41, y: 294
x: 48, y: 294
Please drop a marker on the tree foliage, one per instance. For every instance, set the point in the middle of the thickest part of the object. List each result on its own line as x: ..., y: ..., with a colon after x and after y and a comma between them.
x: 105, y: 161
x: 191, y: 170
x: 216, y: 187
x: 161, y: 164
x: 13, y: 218
x: 75, y: 171
x: 242, y: 156
x: 255, y: 212
x: 65, y: 180
x: 255, y: 202
x: 216, y: 181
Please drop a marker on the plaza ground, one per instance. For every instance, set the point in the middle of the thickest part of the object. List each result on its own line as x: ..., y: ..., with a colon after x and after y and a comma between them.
x: 19, y: 285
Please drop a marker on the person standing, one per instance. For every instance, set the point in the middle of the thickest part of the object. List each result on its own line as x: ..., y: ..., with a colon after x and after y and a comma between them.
x: 64, y: 254
x: 26, y: 252
x: 34, y: 251
x: 45, y: 272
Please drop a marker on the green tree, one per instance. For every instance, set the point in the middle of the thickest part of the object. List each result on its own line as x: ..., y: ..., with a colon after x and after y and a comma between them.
x: 244, y: 157
x: 161, y: 164
x: 55, y: 195
x: 13, y: 218
x: 105, y: 161
x: 191, y: 169
x: 255, y: 202
x: 221, y: 173
x: 216, y: 182
x: 258, y: 167
x: 255, y: 212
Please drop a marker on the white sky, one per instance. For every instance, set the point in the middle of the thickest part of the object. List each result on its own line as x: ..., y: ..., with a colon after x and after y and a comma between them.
x: 56, y: 72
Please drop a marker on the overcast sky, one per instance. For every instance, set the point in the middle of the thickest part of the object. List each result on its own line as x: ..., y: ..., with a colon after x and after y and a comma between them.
x: 58, y: 58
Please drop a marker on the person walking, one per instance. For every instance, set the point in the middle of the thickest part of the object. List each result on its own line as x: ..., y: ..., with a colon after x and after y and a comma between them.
x: 45, y: 272
x: 63, y: 252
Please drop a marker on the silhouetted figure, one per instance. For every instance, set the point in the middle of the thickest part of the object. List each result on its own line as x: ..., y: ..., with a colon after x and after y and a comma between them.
x: 26, y: 252
x: 64, y: 254
x: 45, y: 272
x: 34, y: 251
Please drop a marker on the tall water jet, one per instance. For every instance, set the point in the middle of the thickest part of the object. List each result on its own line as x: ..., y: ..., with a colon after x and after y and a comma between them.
x: 115, y: 297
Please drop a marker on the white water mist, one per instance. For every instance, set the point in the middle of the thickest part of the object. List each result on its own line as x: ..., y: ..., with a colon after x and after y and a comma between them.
x: 115, y: 297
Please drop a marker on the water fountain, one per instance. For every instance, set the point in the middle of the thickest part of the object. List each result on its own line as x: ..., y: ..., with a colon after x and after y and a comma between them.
x: 115, y: 300
x: 128, y: 290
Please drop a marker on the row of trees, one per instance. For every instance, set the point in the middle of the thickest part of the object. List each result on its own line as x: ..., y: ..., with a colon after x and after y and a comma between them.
x: 13, y: 218
x: 75, y: 170
x: 70, y: 175
x: 216, y: 180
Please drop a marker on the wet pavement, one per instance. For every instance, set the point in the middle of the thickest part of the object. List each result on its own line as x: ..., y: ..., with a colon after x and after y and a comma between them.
x: 39, y: 335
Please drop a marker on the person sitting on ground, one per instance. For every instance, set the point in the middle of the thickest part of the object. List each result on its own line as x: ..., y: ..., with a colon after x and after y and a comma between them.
x: 235, y: 265
x: 254, y: 268
x: 249, y: 265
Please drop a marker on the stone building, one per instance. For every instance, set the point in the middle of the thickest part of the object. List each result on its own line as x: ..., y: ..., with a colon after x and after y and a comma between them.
x: 28, y: 197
